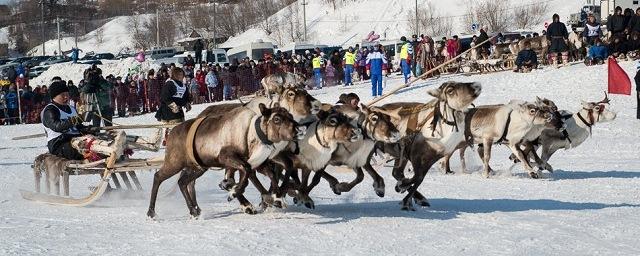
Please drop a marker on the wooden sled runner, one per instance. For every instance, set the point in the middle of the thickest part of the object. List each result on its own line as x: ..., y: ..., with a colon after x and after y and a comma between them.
x: 57, y: 170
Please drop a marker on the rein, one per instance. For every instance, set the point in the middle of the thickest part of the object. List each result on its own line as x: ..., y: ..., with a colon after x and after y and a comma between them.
x: 318, y: 137
x: 437, y: 115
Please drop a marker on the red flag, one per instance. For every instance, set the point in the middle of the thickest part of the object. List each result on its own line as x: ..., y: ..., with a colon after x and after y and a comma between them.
x: 619, y: 82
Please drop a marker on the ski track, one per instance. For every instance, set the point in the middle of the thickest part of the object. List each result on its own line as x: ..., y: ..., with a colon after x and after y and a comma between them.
x: 589, y: 206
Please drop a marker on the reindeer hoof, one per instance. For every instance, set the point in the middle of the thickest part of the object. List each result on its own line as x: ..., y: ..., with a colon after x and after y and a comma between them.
x: 151, y: 214
x: 279, y: 203
x: 310, y: 205
x: 379, y: 189
x: 534, y: 175
x: 342, y: 187
x: 449, y: 172
x: 226, y: 184
x: 248, y: 209
x: 408, y: 207
x: 548, y: 168
x: 422, y: 202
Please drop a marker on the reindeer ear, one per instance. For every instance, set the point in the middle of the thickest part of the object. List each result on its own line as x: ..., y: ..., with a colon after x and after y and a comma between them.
x: 538, y: 100
x: 276, y: 105
x: 365, y: 109
x: 435, y: 92
x: 585, y: 104
x: 264, y: 110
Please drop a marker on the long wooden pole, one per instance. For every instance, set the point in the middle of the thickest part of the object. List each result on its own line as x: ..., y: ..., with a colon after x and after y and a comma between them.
x: 376, y: 100
x: 106, y: 128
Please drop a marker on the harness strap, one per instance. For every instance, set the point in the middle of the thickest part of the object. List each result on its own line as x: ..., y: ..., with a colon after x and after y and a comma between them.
x: 468, y: 135
x: 190, y: 145
x: 506, y: 129
x: 566, y: 135
x: 261, y: 135
x: 585, y: 122
x: 318, y: 137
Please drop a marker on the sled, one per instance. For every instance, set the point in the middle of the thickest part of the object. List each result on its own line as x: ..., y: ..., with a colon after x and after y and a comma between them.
x: 126, y: 169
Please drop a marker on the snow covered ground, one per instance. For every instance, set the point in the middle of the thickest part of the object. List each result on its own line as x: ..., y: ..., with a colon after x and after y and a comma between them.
x: 589, y: 206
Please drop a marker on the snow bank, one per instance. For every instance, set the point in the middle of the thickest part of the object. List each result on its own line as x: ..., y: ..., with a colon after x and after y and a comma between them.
x: 117, y: 35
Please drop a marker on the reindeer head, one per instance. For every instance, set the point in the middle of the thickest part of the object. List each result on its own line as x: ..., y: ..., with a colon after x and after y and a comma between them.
x: 379, y: 126
x: 279, y: 125
x: 457, y: 95
x: 299, y: 102
x: 536, y: 114
x: 338, y: 128
x: 549, y: 106
x: 598, y: 111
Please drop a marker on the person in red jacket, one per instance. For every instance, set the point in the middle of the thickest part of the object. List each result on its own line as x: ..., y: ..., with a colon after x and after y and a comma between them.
x: 202, y: 86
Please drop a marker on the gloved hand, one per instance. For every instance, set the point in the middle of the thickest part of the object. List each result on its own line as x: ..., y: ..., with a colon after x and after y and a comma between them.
x: 76, y: 120
x: 89, y: 130
x: 188, y: 107
x: 174, y: 108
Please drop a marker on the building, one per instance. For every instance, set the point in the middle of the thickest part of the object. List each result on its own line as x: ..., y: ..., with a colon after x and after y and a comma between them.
x: 608, y: 7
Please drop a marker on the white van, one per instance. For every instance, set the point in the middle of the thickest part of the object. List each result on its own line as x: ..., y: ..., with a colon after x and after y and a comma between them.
x: 160, y: 53
x: 215, y: 56
x: 255, y: 51
x: 299, y: 48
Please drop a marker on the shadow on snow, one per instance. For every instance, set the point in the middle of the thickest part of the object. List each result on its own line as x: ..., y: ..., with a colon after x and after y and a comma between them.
x: 579, y: 175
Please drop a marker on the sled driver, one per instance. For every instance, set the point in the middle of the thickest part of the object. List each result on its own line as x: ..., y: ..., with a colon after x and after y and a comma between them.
x: 67, y: 137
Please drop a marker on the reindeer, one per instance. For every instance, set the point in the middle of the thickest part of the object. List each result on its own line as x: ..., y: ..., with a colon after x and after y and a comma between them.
x: 239, y: 139
x: 276, y: 82
x: 424, y: 145
x: 509, y: 124
x: 376, y: 126
x: 315, y: 151
x: 545, y: 104
x: 578, y: 129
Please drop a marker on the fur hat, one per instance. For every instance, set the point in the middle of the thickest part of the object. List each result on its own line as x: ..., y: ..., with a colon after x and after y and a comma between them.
x: 56, y: 88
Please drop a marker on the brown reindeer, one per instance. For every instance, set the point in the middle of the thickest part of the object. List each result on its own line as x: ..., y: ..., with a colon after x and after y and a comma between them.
x: 431, y: 131
x: 239, y: 139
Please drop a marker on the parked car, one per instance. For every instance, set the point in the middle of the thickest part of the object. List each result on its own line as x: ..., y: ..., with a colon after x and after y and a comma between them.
x: 98, y: 56
x: 55, y: 60
x: 35, y: 61
x: 36, y: 71
x: 20, y: 60
x: 90, y: 62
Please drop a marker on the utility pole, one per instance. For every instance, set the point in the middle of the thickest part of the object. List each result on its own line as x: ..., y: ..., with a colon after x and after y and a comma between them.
x: 42, y: 26
x: 157, y: 27
x: 75, y: 33
x: 59, y: 41
x: 304, y: 18
x: 417, y: 29
x: 215, y: 44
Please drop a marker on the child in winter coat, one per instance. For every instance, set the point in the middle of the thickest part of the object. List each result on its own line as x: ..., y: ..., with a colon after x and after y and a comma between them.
x: 597, y: 53
x: 330, y: 75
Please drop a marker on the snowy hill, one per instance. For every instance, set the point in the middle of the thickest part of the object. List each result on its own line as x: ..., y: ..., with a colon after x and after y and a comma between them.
x: 350, y: 23
x: 116, y: 36
x: 589, y: 206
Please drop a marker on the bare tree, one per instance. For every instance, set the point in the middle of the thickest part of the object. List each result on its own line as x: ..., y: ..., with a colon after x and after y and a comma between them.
x: 430, y: 21
x: 493, y: 14
x: 99, y: 35
x: 527, y: 16
x: 139, y: 36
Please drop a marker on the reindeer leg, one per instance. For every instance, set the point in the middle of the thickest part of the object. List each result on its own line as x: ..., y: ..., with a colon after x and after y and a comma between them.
x: 230, y: 159
x: 527, y: 166
x: 347, y: 186
x: 190, y: 179
x: 378, y: 181
x: 463, y: 161
x: 446, y: 165
x: 303, y: 191
x: 229, y: 180
x: 165, y: 172
x: 398, y: 173
x: 547, y: 152
x: 486, y: 156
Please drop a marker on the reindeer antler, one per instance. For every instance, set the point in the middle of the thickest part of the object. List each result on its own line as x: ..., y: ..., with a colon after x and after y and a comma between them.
x: 606, y: 99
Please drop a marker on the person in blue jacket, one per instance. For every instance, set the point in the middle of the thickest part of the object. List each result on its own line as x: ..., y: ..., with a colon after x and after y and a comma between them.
x: 376, y: 63
x: 527, y: 59
x: 12, y: 105
x: 598, y: 53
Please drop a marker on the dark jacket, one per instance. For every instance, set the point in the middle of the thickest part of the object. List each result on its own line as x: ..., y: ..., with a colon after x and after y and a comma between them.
x: 619, y: 47
x: 615, y: 23
x: 637, y: 78
x: 483, y: 37
x: 60, y: 146
x: 525, y: 56
x: 633, y: 45
x: 556, y: 30
x: 634, y: 24
x: 169, y: 94
x: 198, y: 47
